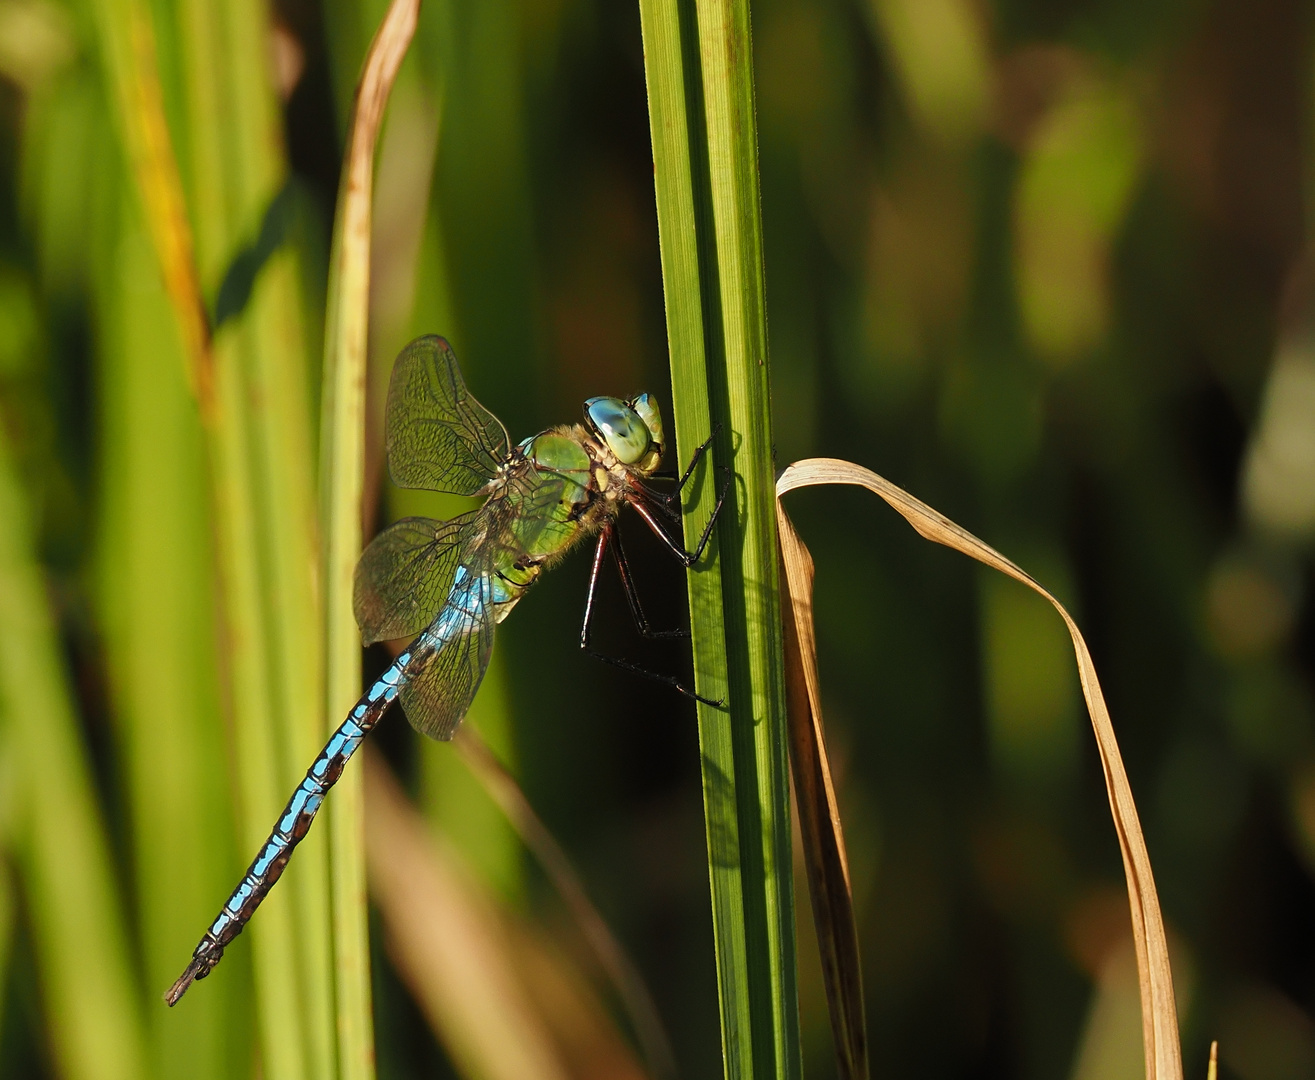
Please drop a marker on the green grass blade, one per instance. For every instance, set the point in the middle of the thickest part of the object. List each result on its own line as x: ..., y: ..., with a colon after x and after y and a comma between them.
x: 262, y: 506
x: 8, y: 905
x: 263, y: 472
x: 342, y: 441
x: 157, y: 604
x: 265, y: 515
x: 277, y: 377
x: 63, y: 854
x: 699, y: 72
x: 154, y: 601
x: 280, y: 1018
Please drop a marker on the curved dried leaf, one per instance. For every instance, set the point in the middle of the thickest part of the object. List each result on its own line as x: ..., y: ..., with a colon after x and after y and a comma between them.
x: 819, y: 814
x: 1159, y: 1017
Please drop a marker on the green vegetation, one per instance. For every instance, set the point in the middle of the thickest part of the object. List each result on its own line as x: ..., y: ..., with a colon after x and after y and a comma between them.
x: 701, y: 111
x: 1045, y: 266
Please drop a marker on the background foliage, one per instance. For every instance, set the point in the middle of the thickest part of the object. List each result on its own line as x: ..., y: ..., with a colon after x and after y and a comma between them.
x: 1044, y: 264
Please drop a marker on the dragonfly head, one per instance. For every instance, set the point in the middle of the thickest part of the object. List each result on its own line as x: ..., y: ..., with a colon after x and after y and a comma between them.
x: 632, y: 429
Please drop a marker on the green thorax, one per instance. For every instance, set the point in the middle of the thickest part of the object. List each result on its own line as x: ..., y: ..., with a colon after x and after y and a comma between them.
x: 539, y: 509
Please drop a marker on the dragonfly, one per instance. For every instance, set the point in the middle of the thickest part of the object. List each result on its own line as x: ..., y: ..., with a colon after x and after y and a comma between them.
x: 446, y: 584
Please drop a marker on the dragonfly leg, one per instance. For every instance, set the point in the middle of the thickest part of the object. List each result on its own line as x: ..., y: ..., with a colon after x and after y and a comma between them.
x: 599, y: 553
x: 689, y: 558
x: 694, y: 460
x: 670, y: 680
x: 683, y: 478
x: 632, y: 594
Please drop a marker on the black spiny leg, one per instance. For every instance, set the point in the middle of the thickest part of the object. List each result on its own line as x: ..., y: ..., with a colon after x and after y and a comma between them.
x: 599, y: 553
x: 696, y: 456
x: 683, y: 479
x: 632, y: 594
x: 689, y: 558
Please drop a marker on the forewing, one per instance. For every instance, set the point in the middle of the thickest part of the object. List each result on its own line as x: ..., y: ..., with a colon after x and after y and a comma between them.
x: 405, y: 575
x: 449, y: 662
x: 439, y: 437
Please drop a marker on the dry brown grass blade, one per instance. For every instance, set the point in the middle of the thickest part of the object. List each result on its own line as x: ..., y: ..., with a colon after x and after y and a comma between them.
x: 626, y: 981
x: 342, y: 455
x: 1159, y: 1018
x: 346, y: 322
x: 503, y: 1001
x: 590, y: 1041
x: 819, y: 815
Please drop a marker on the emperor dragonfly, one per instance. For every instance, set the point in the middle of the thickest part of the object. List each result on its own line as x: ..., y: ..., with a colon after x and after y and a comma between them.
x: 447, y: 584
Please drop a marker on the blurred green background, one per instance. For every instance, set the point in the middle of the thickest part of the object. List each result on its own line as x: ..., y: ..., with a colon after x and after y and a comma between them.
x: 1044, y: 264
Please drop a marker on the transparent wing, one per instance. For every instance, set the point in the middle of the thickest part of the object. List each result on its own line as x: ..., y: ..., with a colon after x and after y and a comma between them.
x: 450, y: 659
x: 405, y: 575
x: 439, y: 437
x: 519, y: 520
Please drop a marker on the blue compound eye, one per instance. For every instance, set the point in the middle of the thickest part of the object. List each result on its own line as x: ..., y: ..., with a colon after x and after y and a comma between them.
x: 618, y: 425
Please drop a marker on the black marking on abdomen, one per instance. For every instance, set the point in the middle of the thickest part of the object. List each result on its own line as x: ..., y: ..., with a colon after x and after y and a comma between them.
x: 293, y: 824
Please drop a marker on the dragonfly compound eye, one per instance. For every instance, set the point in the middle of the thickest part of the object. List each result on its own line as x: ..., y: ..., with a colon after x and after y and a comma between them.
x: 647, y: 409
x: 618, y: 425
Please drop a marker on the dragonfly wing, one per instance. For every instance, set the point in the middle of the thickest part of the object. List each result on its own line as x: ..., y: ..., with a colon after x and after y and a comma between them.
x: 529, y: 516
x: 450, y: 658
x: 405, y: 576
x: 439, y: 437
